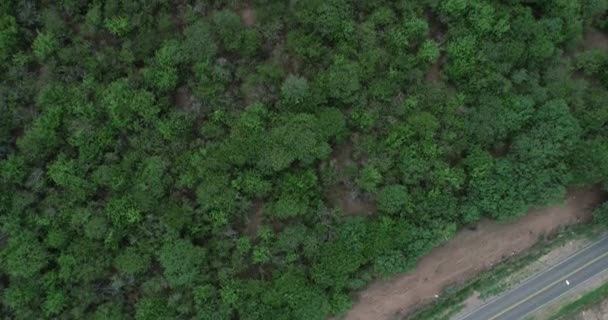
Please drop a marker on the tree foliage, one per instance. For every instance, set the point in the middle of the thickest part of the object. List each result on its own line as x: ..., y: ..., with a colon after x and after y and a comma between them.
x: 211, y: 159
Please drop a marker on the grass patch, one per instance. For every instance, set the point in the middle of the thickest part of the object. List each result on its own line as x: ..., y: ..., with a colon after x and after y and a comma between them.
x: 587, y: 300
x: 492, y: 282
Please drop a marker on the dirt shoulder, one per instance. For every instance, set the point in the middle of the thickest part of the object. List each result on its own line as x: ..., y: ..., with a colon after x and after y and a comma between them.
x: 551, y: 258
x: 470, y: 252
x: 597, y: 312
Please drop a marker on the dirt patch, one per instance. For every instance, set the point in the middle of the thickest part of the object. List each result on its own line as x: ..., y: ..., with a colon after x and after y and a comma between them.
x: 254, y: 219
x: 342, y: 155
x: 248, y: 16
x: 44, y: 76
x: 551, y: 258
x: 437, y: 31
x: 599, y: 312
x: 595, y: 39
x: 472, y: 303
x: 434, y: 72
x: 184, y: 100
x: 345, y: 194
x: 470, y: 252
x: 350, y: 202
x: 183, y: 97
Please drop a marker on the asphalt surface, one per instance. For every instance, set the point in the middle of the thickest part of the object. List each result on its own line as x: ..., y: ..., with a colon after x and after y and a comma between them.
x: 546, y: 286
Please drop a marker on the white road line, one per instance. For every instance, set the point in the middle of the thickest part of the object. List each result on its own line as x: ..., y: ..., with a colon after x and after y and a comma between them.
x: 574, y: 255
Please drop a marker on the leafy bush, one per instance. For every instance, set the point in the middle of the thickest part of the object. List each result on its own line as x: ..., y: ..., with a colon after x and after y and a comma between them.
x: 164, y: 161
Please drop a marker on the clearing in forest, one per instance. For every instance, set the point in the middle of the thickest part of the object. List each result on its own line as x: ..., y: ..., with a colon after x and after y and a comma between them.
x: 468, y: 253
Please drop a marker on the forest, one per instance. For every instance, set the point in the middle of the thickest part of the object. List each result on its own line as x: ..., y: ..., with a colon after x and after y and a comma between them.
x: 266, y: 159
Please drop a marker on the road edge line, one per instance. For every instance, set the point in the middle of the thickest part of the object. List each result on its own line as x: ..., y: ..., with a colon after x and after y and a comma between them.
x: 568, y: 258
x: 562, y: 278
x: 566, y: 292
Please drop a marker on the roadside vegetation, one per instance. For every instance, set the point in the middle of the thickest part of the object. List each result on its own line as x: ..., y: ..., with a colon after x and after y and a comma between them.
x: 498, y: 279
x: 181, y: 159
x: 588, y: 300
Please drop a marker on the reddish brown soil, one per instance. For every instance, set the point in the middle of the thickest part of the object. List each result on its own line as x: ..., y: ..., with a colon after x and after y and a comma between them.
x: 350, y: 202
x: 183, y: 97
x: 434, y: 72
x: 437, y: 31
x: 254, y: 220
x: 595, y: 39
x: 466, y: 255
x: 345, y: 195
x: 342, y: 155
x: 248, y: 16
x: 597, y: 312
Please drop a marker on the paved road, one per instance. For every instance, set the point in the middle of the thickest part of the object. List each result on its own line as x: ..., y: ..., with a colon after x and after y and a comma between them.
x: 546, y: 286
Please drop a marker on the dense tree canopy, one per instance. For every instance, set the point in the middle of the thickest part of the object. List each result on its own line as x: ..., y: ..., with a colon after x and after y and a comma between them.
x: 265, y: 159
